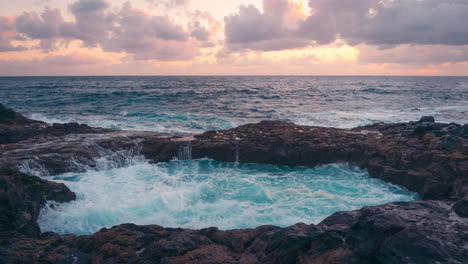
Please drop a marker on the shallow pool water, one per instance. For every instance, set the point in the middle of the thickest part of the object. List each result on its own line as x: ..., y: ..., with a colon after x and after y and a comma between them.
x: 204, y: 193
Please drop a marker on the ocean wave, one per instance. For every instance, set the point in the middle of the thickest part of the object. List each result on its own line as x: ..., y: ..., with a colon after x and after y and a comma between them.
x: 351, y: 119
x: 198, y: 104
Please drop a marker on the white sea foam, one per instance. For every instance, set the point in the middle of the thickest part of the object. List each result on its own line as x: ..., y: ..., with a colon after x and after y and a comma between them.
x: 166, y: 123
x: 49, y: 119
x: 350, y: 119
x: 190, y: 123
x: 33, y: 168
x: 203, y: 193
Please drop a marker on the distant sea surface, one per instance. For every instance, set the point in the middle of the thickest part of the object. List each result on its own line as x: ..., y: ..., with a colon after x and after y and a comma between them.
x: 196, y: 104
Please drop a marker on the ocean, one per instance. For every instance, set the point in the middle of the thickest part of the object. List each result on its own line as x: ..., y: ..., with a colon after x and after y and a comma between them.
x: 203, y: 193
x: 196, y: 104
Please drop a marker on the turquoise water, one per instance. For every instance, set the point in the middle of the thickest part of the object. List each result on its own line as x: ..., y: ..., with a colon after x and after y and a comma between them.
x: 204, y: 193
x: 196, y: 104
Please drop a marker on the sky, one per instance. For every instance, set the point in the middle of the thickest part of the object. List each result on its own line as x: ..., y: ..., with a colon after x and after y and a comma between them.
x: 234, y: 37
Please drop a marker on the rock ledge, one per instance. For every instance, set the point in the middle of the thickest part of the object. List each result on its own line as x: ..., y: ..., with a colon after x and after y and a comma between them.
x: 424, y: 156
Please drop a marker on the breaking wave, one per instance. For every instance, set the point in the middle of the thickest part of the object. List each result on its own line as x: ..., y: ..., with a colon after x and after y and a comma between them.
x: 204, y: 193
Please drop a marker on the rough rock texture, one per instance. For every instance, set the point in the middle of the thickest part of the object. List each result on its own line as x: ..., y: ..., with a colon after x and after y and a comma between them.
x: 409, y: 232
x: 21, y: 198
x: 461, y: 207
x: 14, y: 127
x: 424, y: 156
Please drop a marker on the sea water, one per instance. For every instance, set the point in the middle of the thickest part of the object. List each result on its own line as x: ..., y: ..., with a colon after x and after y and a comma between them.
x: 204, y: 193
x: 196, y: 104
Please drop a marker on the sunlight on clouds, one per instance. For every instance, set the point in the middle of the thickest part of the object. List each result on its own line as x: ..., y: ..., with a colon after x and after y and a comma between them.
x: 328, y: 53
x: 25, y: 55
x: 302, y: 7
x: 73, y: 49
x: 236, y: 37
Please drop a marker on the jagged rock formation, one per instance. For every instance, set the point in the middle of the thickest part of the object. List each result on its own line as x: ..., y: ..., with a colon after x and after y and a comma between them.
x: 21, y: 198
x: 409, y: 232
x: 427, y: 157
x: 415, y: 155
x: 15, y: 127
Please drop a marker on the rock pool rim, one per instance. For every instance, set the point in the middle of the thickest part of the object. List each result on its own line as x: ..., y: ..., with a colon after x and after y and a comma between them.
x: 440, y: 173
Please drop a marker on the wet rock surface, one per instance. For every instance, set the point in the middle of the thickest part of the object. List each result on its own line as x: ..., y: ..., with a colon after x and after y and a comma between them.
x: 407, y: 232
x: 21, y: 198
x: 424, y: 156
x: 15, y: 127
x: 433, y: 163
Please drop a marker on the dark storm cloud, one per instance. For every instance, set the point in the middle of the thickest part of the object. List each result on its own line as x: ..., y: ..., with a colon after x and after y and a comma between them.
x: 384, y: 23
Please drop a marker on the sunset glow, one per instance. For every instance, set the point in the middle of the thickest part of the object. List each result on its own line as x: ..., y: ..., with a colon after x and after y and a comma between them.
x: 189, y: 37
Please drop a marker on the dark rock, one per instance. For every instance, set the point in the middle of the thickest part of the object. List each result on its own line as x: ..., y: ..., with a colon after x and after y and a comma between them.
x: 427, y: 157
x: 14, y: 127
x: 21, y: 198
x: 464, y: 131
x: 386, y: 150
x: 429, y: 119
x: 10, y: 117
x: 461, y: 207
x: 448, y: 142
x: 421, y: 129
x: 433, y: 164
x: 405, y: 232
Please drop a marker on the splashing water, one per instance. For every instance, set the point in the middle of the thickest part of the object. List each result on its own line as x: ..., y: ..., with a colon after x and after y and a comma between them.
x: 204, y: 193
x: 197, y: 104
x: 185, y: 152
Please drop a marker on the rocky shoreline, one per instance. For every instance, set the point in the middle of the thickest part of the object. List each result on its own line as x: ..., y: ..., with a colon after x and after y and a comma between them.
x: 424, y: 156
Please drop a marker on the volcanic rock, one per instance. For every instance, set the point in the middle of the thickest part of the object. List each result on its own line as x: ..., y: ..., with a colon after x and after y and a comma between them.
x: 461, y: 207
x: 21, y: 198
x: 15, y: 127
x: 405, y: 232
x: 426, y: 157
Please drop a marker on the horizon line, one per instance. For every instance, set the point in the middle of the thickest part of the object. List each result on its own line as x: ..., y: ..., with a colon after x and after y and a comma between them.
x: 229, y: 75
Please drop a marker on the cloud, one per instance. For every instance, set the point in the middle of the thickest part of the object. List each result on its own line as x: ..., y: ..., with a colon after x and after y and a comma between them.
x: 199, y: 32
x: 7, y: 34
x: 72, y: 63
x: 414, y: 54
x: 169, y: 3
x: 47, y: 27
x: 388, y: 22
x: 205, y: 28
x: 92, y: 21
x: 149, y: 37
x: 124, y: 29
x: 274, y: 29
x: 412, y: 32
x: 75, y: 59
x: 382, y: 23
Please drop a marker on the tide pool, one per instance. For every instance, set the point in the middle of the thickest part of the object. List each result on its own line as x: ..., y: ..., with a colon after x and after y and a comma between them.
x: 204, y: 193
